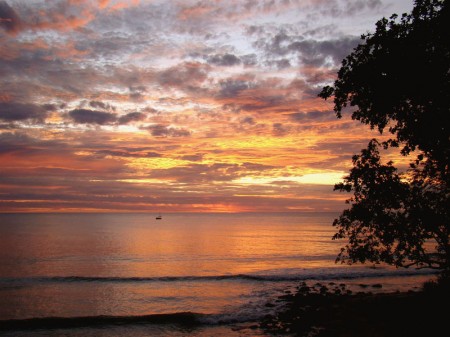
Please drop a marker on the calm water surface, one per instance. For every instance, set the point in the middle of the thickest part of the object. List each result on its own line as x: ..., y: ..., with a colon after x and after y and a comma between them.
x: 223, y: 268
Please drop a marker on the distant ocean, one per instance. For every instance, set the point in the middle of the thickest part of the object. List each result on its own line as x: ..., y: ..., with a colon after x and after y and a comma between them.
x: 183, y: 275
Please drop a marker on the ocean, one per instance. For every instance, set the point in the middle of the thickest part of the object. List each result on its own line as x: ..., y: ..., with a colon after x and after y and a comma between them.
x: 183, y: 275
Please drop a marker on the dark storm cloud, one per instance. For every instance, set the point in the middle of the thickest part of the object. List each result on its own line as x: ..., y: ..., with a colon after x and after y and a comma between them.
x: 224, y: 60
x: 9, y: 20
x: 10, y: 111
x: 85, y: 116
x: 160, y: 130
x: 132, y: 117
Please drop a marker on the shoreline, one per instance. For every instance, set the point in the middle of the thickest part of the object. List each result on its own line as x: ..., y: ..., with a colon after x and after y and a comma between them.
x: 327, y: 309
x: 332, y: 309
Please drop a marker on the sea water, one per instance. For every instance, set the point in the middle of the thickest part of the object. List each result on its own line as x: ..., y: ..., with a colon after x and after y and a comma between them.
x: 183, y: 275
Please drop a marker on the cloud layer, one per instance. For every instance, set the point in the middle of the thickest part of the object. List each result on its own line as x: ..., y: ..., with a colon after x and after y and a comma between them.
x: 207, y: 106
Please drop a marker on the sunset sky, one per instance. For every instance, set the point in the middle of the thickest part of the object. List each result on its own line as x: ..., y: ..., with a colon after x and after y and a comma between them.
x: 177, y: 106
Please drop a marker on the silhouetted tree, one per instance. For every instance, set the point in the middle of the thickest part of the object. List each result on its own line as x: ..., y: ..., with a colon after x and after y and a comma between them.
x: 398, y: 79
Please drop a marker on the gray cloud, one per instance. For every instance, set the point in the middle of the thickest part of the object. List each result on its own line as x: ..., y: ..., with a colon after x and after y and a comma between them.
x: 186, y: 75
x: 137, y: 92
x: 280, y: 64
x: 201, y: 173
x: 10, y: 111
x: 283, y: 46
x: 348, y: 148
x: 9, y: 20
x: 312, y: 52
x: 85, y: 116
x: 128, y: 153
x: 53, y: 71
x: 101, y: 105
x: 311, y: 116
x: 336, y: 8
x: 308, y: 88
x: 15, y: 143
x: 89, y: 57
x: 132, y: 117
x: 279, y: 130
x: 231, y: 88
x: 262, y: 102
x: 231, y: 107
x: 160, y: 130
x: 248, y: 120
x: 22, y: 144
x: 193, y: 157
x: 249, y: 60
x: 224, y: 60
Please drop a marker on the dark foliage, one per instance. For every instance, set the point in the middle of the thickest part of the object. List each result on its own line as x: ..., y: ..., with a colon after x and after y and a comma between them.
x: 398, y: 80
